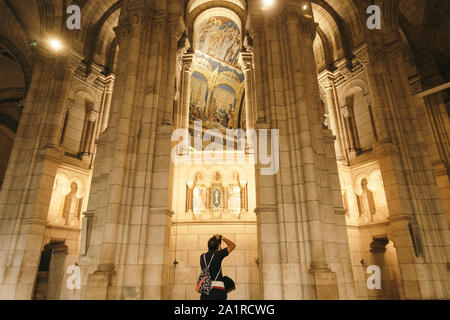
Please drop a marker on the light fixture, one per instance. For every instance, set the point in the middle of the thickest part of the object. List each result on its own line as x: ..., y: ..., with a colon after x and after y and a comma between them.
x: 267, y: 3
x: 55, y: 44
x: 305, y: 7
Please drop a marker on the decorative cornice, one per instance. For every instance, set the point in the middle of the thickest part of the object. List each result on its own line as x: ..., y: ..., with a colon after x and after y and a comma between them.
x: 246, y: 61
x: 187, y: 61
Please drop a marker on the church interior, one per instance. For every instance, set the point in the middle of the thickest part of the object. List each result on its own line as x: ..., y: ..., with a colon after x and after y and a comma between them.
x: 356, y: 120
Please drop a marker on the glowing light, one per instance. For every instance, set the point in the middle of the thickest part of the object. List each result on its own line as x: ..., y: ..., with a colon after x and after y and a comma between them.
x: 305, y: 7
x: 268, y: 3
x: 55, y: 44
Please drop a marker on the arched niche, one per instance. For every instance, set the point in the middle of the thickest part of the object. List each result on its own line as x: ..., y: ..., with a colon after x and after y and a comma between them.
x: 80, y: 107
x: 356, y: 96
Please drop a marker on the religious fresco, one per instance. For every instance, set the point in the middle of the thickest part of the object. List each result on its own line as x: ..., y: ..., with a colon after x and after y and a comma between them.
x: 220, y: 38
x: 217, y: 83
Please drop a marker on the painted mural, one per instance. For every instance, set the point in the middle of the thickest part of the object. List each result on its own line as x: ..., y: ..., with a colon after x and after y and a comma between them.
x: 217, y: 83
x: 220, y: 38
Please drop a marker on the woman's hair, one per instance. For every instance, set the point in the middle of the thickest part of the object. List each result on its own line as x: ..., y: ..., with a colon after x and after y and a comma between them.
x: 213, y: 243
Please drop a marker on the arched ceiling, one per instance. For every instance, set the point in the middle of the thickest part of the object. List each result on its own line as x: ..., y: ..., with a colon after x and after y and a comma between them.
x: 425, y: 23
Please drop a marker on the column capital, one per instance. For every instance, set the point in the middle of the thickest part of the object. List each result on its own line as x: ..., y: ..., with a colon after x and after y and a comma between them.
x: 187, y: 61
x: 137, y: 13
x: 363, y: 57
x: 122, y: 31
x: 175, y: 25
x: 326, y: 80
x: 256, y: 24
x: 70, y: 104
x: 183, y: 45
x: 304, y: 22
x: 246, y: 60
x: 160, y: 21
x: 92, y: 116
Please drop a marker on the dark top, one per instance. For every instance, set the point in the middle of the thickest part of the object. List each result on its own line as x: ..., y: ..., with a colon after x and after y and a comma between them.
x: 216, y: 263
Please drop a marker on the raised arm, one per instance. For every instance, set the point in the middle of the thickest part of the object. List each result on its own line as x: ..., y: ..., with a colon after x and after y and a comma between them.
x: 230, y: 244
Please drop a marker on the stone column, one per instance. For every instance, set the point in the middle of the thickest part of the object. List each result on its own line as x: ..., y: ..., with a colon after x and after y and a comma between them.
x: 106, y: 105
x: 66, y: 68
x: 25, y: 194
x: 347, y: 113
x: 375, y: 78
x: 256, y: 29
x: 175, y: 32
x: 246, y: 61
x: 111, y: 178
x: 305, y: 195
x: 420, y: 233
x: 330, y: 93
x: 183, y: 118
x: 70, y: 104
x: 88, y: 139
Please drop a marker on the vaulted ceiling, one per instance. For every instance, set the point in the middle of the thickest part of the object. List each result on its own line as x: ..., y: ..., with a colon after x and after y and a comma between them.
x: 425, y: 24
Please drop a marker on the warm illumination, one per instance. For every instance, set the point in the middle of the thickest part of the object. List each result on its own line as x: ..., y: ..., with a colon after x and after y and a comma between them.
x: 305, y: 7
x: 55, y: 44
x: 268, y: 3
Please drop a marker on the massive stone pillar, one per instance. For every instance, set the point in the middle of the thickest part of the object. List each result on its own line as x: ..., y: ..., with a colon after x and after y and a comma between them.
x: 27, y: 188
x: 302, y: 237
x: 418, y: 224
x: 128, y: 220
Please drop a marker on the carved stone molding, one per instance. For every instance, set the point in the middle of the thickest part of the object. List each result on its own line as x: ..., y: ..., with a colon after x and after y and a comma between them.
x: 326, y: 82
x: 306, y: 25
x: 183, y: 45
x: 345, y: 73
x: 175, y: 25
x: 122, y: 31
x: 246, y: 61
x: 256, y: 25
x: 187, y: 62
x: 136, y: 18
x: 92, y: 116
x: 70, y: 104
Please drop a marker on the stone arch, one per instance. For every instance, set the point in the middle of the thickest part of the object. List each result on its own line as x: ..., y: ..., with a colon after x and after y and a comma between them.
x: 324, y: 46
x: 356, y: 83
x: 357, y: 183
x: 100, y: 34
x: 80, y: 104
x: 195, y: 8
x: 328, y: 18
x: 84, y: 90
x: 81, y: 191
x: 20, y: 59
x: 356, y: 95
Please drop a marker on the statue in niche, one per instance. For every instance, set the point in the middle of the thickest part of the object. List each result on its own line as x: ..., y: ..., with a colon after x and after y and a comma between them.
x: 366, y: 203
x: 199, y: 199
x: 234, y: 198
x: 72, y: 206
